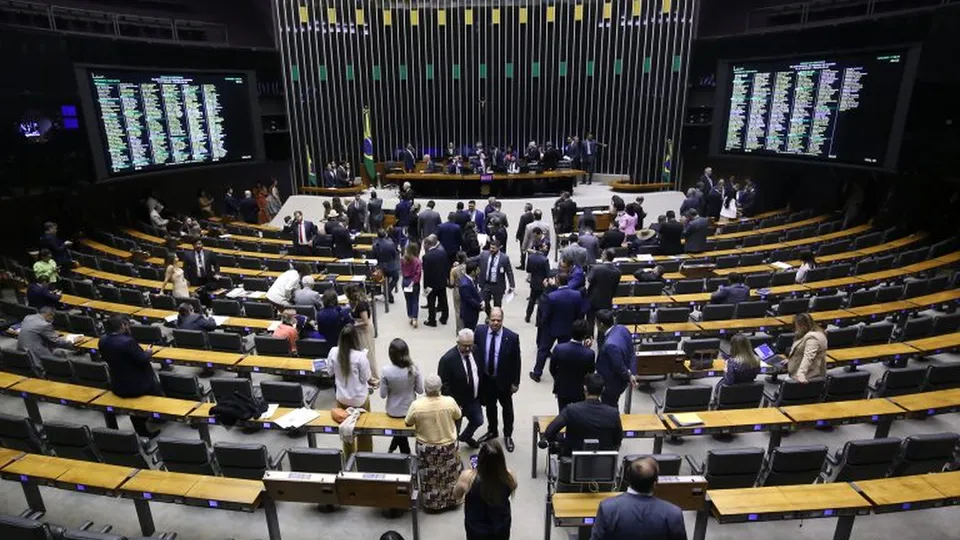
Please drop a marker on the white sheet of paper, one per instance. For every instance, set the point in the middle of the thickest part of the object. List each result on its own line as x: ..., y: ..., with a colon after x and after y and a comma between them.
x: 273, y: 326
x: 170, y: 318
x: 221, y: 319
x: 358, y: 279
x: 296, y: 418
x: 408, y: 288
x: 779, y: 265
x: 72, y: 337
x: 342, y: 299
x: 507, y: 298
x: 228, y: 235
x: 271, y: 410
x: 645, y: 257
x: 257, y: 294
x: 235, y: 293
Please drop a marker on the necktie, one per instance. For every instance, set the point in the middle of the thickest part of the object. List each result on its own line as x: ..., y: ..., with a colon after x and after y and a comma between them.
x: 589, y: 148
x: 492, y: 274
x: 469, y: 363
x: 303, y: 235
x: 200, y: 263
x: 492, y: 355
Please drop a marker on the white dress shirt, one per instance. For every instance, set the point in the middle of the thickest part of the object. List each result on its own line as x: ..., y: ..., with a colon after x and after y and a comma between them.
x: 281, y: 292
x: 473, y: 369
x: 353, y: 389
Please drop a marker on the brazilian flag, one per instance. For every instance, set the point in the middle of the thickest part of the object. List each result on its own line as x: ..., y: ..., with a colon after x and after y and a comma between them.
x: 667, y: 162
x: 311, y: 170
x: 368, y: 162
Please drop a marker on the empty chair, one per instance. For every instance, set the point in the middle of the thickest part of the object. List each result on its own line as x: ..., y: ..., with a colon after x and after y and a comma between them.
x: 783, y: 342
x: 783, y: 255
x: 270, y: 248
x: 671, y: 315
x: 921, y: 454
x: 945, y: 324
x: 190, y: 339
x: 120, y: 447
x: 147, y: 333
x: 23, y: 528
x: 752, y: 241
x: 256, y: 284
x: 771, y: 238
x: 288, y: 394
x: 862, y: 460
x: 684, y: 399
x: 912, y: 289
x: 93, y: 374
x: 758, y: 281
x: 631, y: 316
x: 132, y: 297
x: 57, y: 369
x: 224, y: 387
x: 687, y: 286
x: 164, y: 301
x: 309, y: 312
x: 269, y: 345
x: 840, y: 338
x: 748, y: 310
x: 149, y: 272
x: 793, y: 392
x: 863, y: 298
x: 846, y: 386
x: 728, y: 469
x: 70, y: 441
x: 668, y: 464
x: 817, y: 274
x: 230, y: 308
x: 277, y: 265
x: 867, y: 240
x: 624, y: 289
x: 941, y: 248
x: 84, y: 289
x: 890, y: 293
x: 61, y: 321
x: 224, y: 259
x: 752, y: 259
x: 248, y: 461
x: 827, y: 303
x: 227, y: 342
x: 20, y: 363
x: 792, y: 306
x: 865, y: 266
x: 789, y: 465
x: 728, y: 261
x: 942, y: 377
x: 938, y: 284
x: 739, y: 396
x: 899, y: 381
x: 375, y: 462
x: 259, y: 310
x: 872, y: 334
x: 186, y: 456
x: 704, y: 347
x: 648, y: 289
x: 81, y: 324
x: 249, y: 263
x: 916, y: 328
x: 784, y: 278
x: 793, y: 234
x: 837, y: 271
x: 181, y: 386
x: 718, y: 312
x: 315, y: 460
x: 313, y: 348
x: 19, y: 433
x: 109, y: 293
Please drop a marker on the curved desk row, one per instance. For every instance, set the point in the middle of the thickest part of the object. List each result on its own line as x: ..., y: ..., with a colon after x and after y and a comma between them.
x: 497, y: 184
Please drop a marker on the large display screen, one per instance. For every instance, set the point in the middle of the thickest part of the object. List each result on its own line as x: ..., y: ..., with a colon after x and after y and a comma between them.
x: 142, y: 121
x: 845, y: 108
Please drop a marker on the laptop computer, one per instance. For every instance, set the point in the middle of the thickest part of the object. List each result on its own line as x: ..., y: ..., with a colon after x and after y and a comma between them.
x: 768, y: 356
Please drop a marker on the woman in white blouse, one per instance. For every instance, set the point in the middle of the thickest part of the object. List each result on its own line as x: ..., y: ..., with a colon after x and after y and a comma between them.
x: 807, y: 263
x: 401, y: 382
x: 351, y: 371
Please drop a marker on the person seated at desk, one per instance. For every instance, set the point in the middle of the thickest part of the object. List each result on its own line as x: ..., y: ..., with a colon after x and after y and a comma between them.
x: 46, y: 268
x: 808, y: 354
x: 807, y: 263
x: 434, y: 419
x: 742, y: 366
x: 646, y: 242
x: 651, y: 275
x: 38, y: 337
x: 532, y: 154
x: 191, y: 228
x: 131, y: 374
x: 429, y: 165
x: 288, y: 328
x: 637, y: 514
x: 584, y: 420
x: 306, y: 295
x: 332, y: 318
x: 188, y: 320
x: 41, y: 293
x: 734, y: 293
x: 456, y: 166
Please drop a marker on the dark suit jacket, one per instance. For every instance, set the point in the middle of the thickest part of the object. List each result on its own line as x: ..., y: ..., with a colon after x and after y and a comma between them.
x: 587, y: 419
x: 428, y: 222
x: 714, y: 203
x: 671, y: 234
x: 342, y: 243
x: 402, y: 212
x: 508, y: 358
x: 631, y: 516
x: 461, y: 218
x: 210, y: 267
x: 39, y: 295
x: 613, y: 238
x: 454, y: 377
x: 131, y: 374
x: 293, y: 229
x: 538, y: 267
x: 504, y: 271
x: 731, y: 294
x: 356, y: 216
x: 748, y: 202
x: 558, y: 310
x: 57, y: 248
x: 470, y: 302
x: 566, y: 210
x: 688, y: 203
x: 602, y: 287
x: 436, y: 268
x: 570, y: 362
x: 385, y: 252
x: 525, y: 219
x: 231, y: 206
x: 450, y: 236
x: 331, y: 320
x: 375, y: 214
x: 249, y: 210
x: 196, y: 321
x: 409, y: 159
x: 480, y: 219
x: 616, y: 360
x: 578, y: 279
x: 696, y: 232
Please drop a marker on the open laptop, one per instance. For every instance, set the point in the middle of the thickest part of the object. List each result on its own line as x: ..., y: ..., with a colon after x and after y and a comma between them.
x: 768, y: 356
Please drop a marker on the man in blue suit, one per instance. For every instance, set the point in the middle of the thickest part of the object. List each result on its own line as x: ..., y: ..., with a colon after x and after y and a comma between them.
x: 436, y: 273
x: 471, y: 303
x: 570, y: 362
x: 695, y: 232
x: 477, y: 216
x: 498, y: 352
x: 188, y: 320
x: 538, y: 268
x: 450, y: 236
x: 637, y: 513
x: 616, y: 358
x: 734, y: 293
x: 388, y: 261
x: 557, y: 312
x: 131, y: 372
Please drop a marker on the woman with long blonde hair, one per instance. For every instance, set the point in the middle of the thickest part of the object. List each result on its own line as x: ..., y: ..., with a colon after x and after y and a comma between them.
x: 743, y: 366
x: 808, y: 354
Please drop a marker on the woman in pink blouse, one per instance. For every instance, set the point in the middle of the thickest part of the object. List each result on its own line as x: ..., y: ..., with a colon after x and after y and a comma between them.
x: 628, y: 221
x: 412, y: 271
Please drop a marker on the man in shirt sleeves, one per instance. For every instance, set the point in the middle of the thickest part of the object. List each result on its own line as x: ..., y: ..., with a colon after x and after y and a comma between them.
x: 498, y: 350
x: 460, y: 372
x: 637, y: 513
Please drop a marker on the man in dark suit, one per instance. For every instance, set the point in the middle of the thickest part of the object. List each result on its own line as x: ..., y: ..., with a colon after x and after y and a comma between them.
x: 714, y: 201
x: 436, y: 272
x: 460, y: 372
x: 496, y: 275
x: 131, y: 374
x: 302, y: 233
x: 591, y: 244
x: 409, y: 157
x: 705, y: 183
x: 450, y: 235
x: 748, y: 199
x: 525, y: 220
x: 734, y: 293
x: 566, y: 210
x: 538, y: 268
x: 692, y: 202
x: 429, y: 220
x: 616, y: 359
x: 696, y: 231
x: 613, y: 238
x: 585, y: 420
x: 249, y: 211
x: 602, y: 285
x: 188, y: 320
x: 342, y: 243
x: 637, y: 513
x: 388, y: 261
x: 570, y: 362
x: 471, y: 303
x: 557, y: 312
x: 357, y: 214
x: 477, y: 216
x: 231, y: 206
x: 498, y: 351
x: 375, y: 215
x: 588, y: 153
x: 671, y: 235
x: 60, y: 249
x: 201, y: 269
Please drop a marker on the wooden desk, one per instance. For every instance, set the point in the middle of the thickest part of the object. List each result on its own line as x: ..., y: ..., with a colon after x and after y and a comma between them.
x: 102, y: 478
x: 33, y: 390
x: 836, y: 413
x: 781, y: 290
x: 158, y: 485
x: 9, y: 379
x: 936, y: 299
x: 824, y: 317
x: 936, y: 344
x: 731, y: 421
x: 786, y: 502
x: 8, y: 456
x: 689, y: 299
x: 901, y: 493
x: 880, y: 311
x: 247, y: 323
x: 153, y: 314
x: 278, y: 365
x: 150, y: 406
x: 103, y: 248
x: 219, y: 492
x: 378, y: 423
x: 197, y: 357
x: 732, y: 326
x: 496, y: 177
x: 110, y: 307
x: 99, y: 274
x: 947, y: 483
x: 621, y: 301
x: 665, y: 329
x: 930, y: 403
x: 867, y: 354
x: 776, y: 228
x: 38, y: 468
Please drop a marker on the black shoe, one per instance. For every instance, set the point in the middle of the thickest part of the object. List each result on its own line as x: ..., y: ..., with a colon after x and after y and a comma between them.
x: 488, y: 436
x: 471, y: 442
x: 443, y: 322
x: 430, y: 323
x: 535, y: 377
x: 527, y: 318
x: 518, y: 267
x: 391, y: 301
x: 508, y: 442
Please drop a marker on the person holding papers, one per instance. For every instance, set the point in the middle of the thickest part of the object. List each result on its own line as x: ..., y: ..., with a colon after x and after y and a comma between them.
x: 351, y: 373
x: 38, y: 337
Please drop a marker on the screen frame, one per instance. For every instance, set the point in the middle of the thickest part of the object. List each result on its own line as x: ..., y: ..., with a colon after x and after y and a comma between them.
x: 88, y: 109
x: 721, y: 107
x: 596, y: 455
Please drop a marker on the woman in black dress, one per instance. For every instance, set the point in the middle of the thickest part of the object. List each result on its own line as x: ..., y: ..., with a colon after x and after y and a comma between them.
x: 486, y: 490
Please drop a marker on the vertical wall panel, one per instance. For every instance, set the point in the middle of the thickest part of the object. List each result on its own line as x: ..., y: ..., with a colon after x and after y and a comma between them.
x: 503, y: 72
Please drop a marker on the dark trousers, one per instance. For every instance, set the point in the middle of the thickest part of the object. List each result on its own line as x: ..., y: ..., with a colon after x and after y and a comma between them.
x: 413, y: 301
x: 139, y: 422
x: 544, y: 346
x: 611, y: 397
x: 437, y: 301
x: 523, y: 256
x: 392, y: 278
x: 474, y: 415
x: 505, y: 398
x: 535, y: 295
x: 400, y: 443
x: 302, y: 249
x: 590, y: 165
x: 492, y: 293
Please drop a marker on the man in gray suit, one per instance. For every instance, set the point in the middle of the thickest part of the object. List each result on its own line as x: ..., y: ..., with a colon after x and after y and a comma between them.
x: 429, y: 220
x: 574, y: 252
x: 591, y: 243
x: 637, y: 514
x: 696, y: 231
x: 537, y: 223
x: 38, y: 337
x: 498, y: 214
x: 495, y: 274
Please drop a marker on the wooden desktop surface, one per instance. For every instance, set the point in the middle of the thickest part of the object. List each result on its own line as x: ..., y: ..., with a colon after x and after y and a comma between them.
x: 947, y: 483
x: 869, y: 351
x: 645, y: 423
x: 154, y: 314
x: 198, y: 356
x: 497, y: 177
x: 881, y: 309
x: 578, y: 505
x: 926, y: 401
x: 9, y: 379
x: 899, y: 490
x: 942, y: 297
x: 119, y: 253
x: 380, y: 421
x: 785, y: 499
x: 98, y: 475
x: 641, y: 300
x: 232, y: 490
x: 733, y: 325
x: 151, y: 404
x: 935, y: 343
x: 732, y: 419
x: 58, y: 390
x: 7, y: 456
x: 776, y: 228
x: 41, y: 467
x: 839, y: 410
x: 160, y: 483
x: 665, y: 328
x: 123, y: 309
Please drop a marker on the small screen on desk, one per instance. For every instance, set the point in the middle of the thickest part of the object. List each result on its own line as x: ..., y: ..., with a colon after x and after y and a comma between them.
x: 600, y: 467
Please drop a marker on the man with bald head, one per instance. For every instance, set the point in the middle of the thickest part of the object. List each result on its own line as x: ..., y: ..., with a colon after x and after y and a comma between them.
x: 637, y: 514
x: 459, y: 369
x: 498, y: 352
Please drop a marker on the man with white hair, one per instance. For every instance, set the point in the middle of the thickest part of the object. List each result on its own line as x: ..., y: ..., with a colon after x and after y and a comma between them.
x: 460, y: 373
x: 307, y: 296
x: 249, y: 211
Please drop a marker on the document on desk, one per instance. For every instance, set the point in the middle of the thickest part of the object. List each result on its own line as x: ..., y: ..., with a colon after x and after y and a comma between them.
x: 170, y: 318
x: 644, y: 257
x: 358, y: 279
x: 271, y: 410
x: 72, y: 338
x: 273, y: 326
x: 296, y: 418
x: 221, y: 319
x: 256, y: 294
x: 780, y: 265
x: 228, y: 235
x: 686, y: 419
x: 622, y: 259
x: 236, y: 292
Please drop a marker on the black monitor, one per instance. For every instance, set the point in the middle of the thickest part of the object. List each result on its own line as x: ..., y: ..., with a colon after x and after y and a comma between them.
x: 594, y: 467
x: 372, y: 462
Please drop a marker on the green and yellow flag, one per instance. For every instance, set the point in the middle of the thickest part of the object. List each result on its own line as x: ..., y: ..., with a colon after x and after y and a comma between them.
x: 368, y: 162
x: 667, y: 162
x: 311, y: 171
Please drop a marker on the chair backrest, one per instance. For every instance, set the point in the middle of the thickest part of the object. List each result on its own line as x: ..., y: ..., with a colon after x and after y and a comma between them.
x: 793, y: 392
x: 733, y: 468
x: 190, y: 339
x: 286, y: 394
x: 752, y: 259
x: 783, y: 342
x: 659, y: 345
x: 686, y: 286
x: 748, y: 310
x: 865, y: 266
x: 938, y: 284
x: 839, y: 338
x: 248, y: 461
x: 942, y: 377
x: 19, y: 433
x: 375, y: 462
x: 249, y: 263
x: 863, y: 298
x: 81, y: 324
x: 647, y: 289
x: 19, y: 362
x: 629, y: 316
x: 21, y: 528
x: 739, y: 396
x: 792, y: 306
x: 186, y: 456
x: 917, y: 328
x: 163, y: 301
x: 784, y: 278
x: 836, y: 271
x: 147, y: 333
x: 827, y: 303
x: 256, y: 284
x: 946, y: 323
x: 788, y: 465
x: 57, y: 369
x: 716, y: 282
x: 181, y: 385
x: 61, y: 321
x: 890, y: 293
x: 872, y: 334
x: 313, y: 348
x: 900, y: 381
x: 71, y: 441
x: 109, y: 293
x: 758, y: 281
x: 259, y: 310
x: 269, y: 345
x: 132, y: 297
x: 309, y: 312
x: 226, y: 307
x: 701, y: 347
x: 277, y: 265
x: 669, y: 465
x: 120, y: 447
x: 224, y: 387
x: 718, y: 312
x: 728, y: 261
x: 915, y: 288
x: 675, y: 314
x: 927, y: 453
x: 866, y: 459
x: 846, y: 385
x: 225, y: 341
x: 686, y: 398
x: 315, y: 460
x: 817, y: 274
x: 93, y: 374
